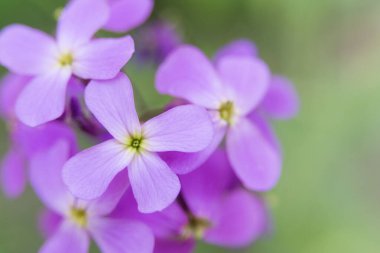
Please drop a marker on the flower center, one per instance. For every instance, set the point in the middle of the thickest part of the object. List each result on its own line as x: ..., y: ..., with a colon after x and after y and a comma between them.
x: 66, y: 59
x: 79, y: 216
x: 195, y: 228
x: 226, y: 111
x: 135, y: 143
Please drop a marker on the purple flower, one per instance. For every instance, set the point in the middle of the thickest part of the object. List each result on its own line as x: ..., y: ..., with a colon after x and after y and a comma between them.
x: 154, y: 184
x: 215, y: 211
x: 72, y: 221
x: 25, y: 143
x: 155, y: 41
x: 126, y: 15
x: 27, y: 51
x: 230, y: 91
x: 281, y: 100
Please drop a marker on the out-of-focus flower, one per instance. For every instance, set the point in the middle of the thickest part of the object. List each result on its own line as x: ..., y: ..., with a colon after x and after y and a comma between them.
x: 51, y: 63
x: 155, y: 41
x: 72, y: 222
x: 154, y: 184
x: 216, y: 211
x: 231, y: 90
x: 126, y: 15
x: 24, y: 141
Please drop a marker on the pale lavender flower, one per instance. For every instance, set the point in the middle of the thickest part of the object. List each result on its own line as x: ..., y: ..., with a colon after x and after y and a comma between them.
x: 27, y: 51
x: 231, y: 90
x: 154, y: 184
x: 72, y: 222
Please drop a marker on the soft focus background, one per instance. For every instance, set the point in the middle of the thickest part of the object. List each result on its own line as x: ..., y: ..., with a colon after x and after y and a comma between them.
x: 328, y: 198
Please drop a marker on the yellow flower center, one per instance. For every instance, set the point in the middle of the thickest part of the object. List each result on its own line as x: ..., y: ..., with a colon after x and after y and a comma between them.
x: 79, y: 216
x: 66, y: 59
x: 226, y: 111
x: 135, y: 142
x: 195, y: 228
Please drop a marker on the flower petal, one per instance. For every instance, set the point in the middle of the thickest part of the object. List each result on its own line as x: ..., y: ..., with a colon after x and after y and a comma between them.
x: 154, y: 185
x: 77, y: 24
x: 183, y: 163
x: 188, y: 74
x: 68, y: 238
x: 281, y: 101
x: 128, y: 14
x: 111, y: 197
x: 103, y: 58
x: 242, y: 47
x: 121, y: 236
x: 112, y: 104
x: 11, y: 87
x: 247, y: 78
x: 185, y: 128
x: 26, y: 51
x: 13, y: 174
x: 49, y: 222
x: 32, y: 140
x: 89, y: 173
x: 45, y: 176
x: 43, y: 99
x: 238, y: 227
x: 174, y: 246
x: 203, y: 187
x: 256, y: 162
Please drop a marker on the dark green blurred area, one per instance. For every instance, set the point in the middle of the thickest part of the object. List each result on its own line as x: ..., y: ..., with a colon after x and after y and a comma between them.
x: 328, y: 197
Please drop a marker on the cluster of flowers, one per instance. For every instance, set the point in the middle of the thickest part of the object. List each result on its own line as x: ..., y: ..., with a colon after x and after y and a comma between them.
x: 156, y: 185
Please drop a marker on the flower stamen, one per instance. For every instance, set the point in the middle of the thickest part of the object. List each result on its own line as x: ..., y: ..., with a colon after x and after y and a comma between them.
x: 66, y: 60
x: 195, y: 228
x: 226, y: 111
x: 79, y: 216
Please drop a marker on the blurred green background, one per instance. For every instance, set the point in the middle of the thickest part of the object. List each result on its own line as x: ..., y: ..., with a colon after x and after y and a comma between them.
x: 328, y: 197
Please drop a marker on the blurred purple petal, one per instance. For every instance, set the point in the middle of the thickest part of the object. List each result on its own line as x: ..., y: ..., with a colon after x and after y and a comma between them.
x: 183, y: 163
x: 103, y: 58
x: 185, y: 128
x: 13, y: 173
x: 26, y: 51
x: 128, y: 14
x: 281, y: 101
x: 188, y: 74
x: 174, y: 246
x: 266, y: 130
x: 32, y: 140
x: 112, y: 103
x: 238, y: 227
x: 79, y: 21
x: 43, y: 99
x: 11, y: 87
x: 256, y: 162
x: 89, y: 173
x: 49, y: 222
x: 247, y: 79
x: 242, y: 47
x: 203, y: 187
x: 154, y: 42
x: 68, y: 238
x: 154, y: 185
x: 121, y: 236
x: 111, y: 197
x: 45, y: 176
